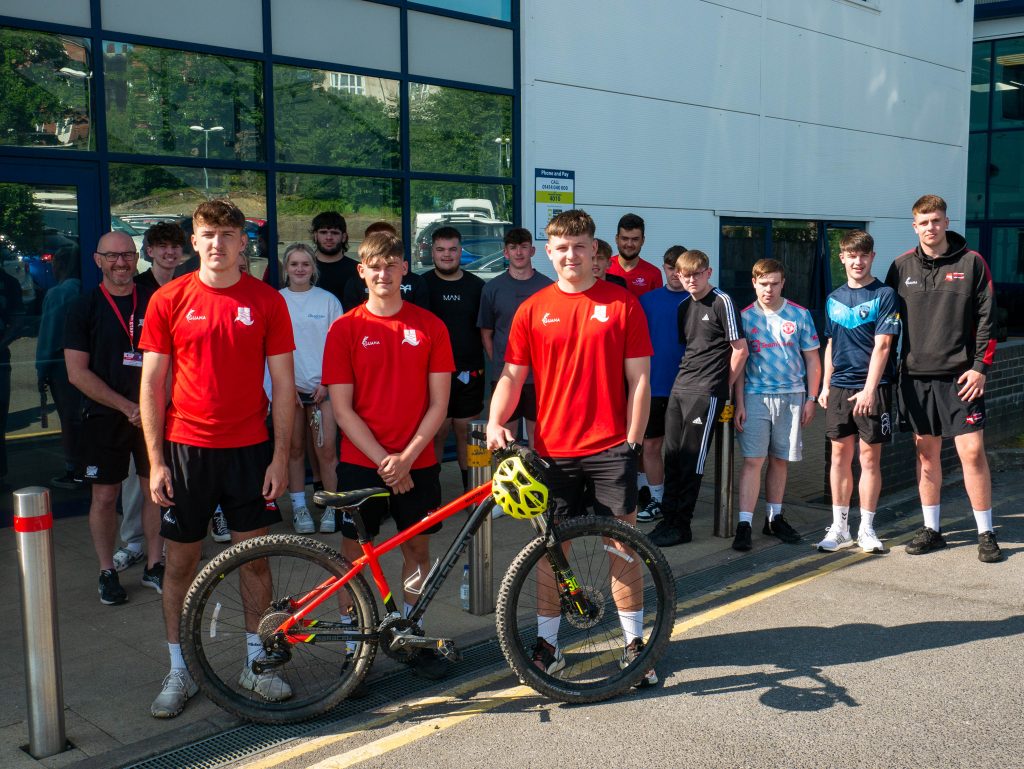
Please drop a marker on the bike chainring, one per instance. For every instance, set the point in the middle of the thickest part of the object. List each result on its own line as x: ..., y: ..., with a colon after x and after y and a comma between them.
x: 390, y: 629
x: 595, y: 600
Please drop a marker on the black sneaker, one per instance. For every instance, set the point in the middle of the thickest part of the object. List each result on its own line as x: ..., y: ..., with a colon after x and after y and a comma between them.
x: 67, y: 481
x: 742, y: 541
x: 778, y: 527
x: 988, y: 548
x: 650, y: 512
x: 667, y: 534
x: 629, y: 655
x: 154, y: 577
x: 643, y: 497
x: 430, y: 665
x: 111, y: 592
x: 925, y: 540
x: 547, y: 658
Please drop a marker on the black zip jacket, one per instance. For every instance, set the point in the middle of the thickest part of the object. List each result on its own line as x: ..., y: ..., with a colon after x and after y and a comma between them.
x: 949, y: 310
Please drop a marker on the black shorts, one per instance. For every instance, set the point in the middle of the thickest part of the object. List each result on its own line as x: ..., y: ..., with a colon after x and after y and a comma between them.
x: 526, y: 408
x: 656, y: 421
x: 107, y: 444
x: 606, y: 481
x: 204, y: 478
x: 841, y: 422
x: 931, y: 406
x: 406, y: 509
x: 467, y: 398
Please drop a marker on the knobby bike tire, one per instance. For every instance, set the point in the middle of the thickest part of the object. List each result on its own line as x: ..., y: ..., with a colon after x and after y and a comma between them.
x: 592, y: 648
x: 213, y: 631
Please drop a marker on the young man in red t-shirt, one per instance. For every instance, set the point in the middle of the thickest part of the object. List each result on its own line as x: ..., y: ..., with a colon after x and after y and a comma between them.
x: 387, y: 367
x: 213, y: 331
x: 581, y: 338
x: 640, y: 276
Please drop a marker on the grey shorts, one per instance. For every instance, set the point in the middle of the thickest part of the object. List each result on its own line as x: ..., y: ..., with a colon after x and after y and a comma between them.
x: 773, y: 425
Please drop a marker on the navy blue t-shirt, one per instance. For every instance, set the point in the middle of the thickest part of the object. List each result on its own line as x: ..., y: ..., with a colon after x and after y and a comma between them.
x: 661, y: 306
x: 854, y: 317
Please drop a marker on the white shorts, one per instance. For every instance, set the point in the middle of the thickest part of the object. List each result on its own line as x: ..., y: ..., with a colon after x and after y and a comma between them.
x: 773, y: 424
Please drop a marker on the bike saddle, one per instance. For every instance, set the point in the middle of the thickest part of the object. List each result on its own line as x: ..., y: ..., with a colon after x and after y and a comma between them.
x: 348, y: 498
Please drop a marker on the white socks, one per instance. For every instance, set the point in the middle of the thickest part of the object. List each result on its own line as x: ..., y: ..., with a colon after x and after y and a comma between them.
x: 774, y: 510
x: 867, y: 520
x: 547, y: 628
x: 632, y: 624
x: 841, y: 517
x: 253, y: 648
x: 657, y: 491
x: 641, y: 480
x: 177, y: 661
x: 298, y: 499
x: 984, y: 520
x: 931, y: 516
x: 746, y: 517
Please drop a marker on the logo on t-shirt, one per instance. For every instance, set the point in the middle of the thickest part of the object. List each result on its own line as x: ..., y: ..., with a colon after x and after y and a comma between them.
x: 191, y: 316
x: 410, y: 337
x: 698, y: 421
x: 639, y: 280
x: 755, y: 346
x: 245, y: 316
x: 367, y: 342
x: 705, y: 317
x: 910, y: 281
x: 788, y: 327
x: 600, y: 313
x: 951, y: 276
x: 547, y: 319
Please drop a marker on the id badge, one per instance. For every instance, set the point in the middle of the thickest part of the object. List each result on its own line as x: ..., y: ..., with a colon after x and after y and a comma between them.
x: 133, y: 359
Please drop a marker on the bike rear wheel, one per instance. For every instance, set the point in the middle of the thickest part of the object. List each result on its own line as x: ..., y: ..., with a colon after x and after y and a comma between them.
x: 593, y: 646
x: 213, y: 627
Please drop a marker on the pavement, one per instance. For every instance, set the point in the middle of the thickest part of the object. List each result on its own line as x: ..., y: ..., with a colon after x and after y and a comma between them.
x: 113, y: 659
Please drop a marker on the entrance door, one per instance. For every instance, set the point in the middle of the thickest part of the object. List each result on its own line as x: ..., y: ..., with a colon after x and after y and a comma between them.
x: 49, y: 225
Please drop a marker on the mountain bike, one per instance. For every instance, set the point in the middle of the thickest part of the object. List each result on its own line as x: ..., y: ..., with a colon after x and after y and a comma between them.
x: 318, y: 623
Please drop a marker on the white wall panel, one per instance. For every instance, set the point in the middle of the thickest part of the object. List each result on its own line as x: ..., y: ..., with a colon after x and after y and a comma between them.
x: 65, y: 12
x: 994, y: 29
x: 225, y: 23
x: 923, y: 29
x: 350, y: 32
x: 459, y: 50
x: 750, y: 6
x: 829, y: 172
x: 667, y: 155
x: 854, y: 86
x: 892, y: 238
x: 687, y: 50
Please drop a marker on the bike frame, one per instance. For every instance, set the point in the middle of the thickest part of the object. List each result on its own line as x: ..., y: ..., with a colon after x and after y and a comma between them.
x: 303, y: 605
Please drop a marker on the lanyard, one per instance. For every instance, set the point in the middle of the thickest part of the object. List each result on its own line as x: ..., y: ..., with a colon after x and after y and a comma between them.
x: 129, y: 329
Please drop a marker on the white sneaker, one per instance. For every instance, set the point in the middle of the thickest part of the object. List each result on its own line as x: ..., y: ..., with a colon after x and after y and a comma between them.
x: 835, y: 539
x: 177, y: 688
x: 219, y: 530
x: 269, y: 685
x: 327, y: 525
x: 869, y: 541
x: 302, y: 521
x: 125, y: 557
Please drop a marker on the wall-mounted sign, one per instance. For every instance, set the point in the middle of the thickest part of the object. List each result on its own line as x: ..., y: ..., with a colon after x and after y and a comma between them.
x: 555, y: 193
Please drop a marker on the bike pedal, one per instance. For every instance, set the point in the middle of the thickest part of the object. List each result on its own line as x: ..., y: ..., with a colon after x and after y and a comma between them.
x: 446, y: 648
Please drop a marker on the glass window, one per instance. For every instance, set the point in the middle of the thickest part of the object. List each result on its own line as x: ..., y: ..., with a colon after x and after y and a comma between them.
x: 336, y: 119
x: 1008, y: 106
x: 457, y: 131
x: 360, y: 200
x: 742, y: 245
x: 166, y: 102
x: 981, y: 71
x: 977, y: 162
x: 44, y: 79
x: 141, y: 195
x: 492, y: 9
x: 1006, y: 176
x: 1007, y: 259
x: 482, y: 213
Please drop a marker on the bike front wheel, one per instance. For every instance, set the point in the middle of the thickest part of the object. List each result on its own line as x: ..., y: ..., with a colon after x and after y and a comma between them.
x: 628, y: 592
x: 248, y: 589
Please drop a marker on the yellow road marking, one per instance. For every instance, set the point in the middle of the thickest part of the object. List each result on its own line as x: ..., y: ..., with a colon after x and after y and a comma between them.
x: 419, y: 731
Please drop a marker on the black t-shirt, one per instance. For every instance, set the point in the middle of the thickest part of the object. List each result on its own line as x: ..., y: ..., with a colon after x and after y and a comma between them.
x: 147, y: 280
x: 413, y: 290
x: 92, y: 327
x: 707, y: 327
x: 457, y: 303
x: 334, y: 276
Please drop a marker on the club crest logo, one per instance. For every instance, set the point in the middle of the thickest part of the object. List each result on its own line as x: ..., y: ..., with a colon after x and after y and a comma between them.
x: 600, y: 313
x: 788, y: 328
x: 409, y: 337
x: 244, y: 316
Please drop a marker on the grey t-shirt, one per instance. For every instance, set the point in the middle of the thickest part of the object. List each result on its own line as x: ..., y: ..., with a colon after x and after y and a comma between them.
x: 498, y: 304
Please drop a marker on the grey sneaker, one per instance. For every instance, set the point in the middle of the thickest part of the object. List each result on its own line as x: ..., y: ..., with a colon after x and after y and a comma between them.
x: 302, y: 521
x: 126, y: 556
x: 327, y: 524
x: 650, y: 512
x: 177, y: 688
x: 269, y: 685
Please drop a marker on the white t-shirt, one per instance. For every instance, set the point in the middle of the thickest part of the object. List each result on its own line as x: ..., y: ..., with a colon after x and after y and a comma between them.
x: 312, y: 314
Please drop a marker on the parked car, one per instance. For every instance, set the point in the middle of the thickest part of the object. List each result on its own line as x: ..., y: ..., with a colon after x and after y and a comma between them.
x: 143, y: 222
x: 481, y: 238
x: 117, y: 224
x: 40, y: 264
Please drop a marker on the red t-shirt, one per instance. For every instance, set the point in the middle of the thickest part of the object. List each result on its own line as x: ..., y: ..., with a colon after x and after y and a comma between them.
x: 388, y: 361
x: 576, y: 346
x: 641, y: 279
x: 218, y: 340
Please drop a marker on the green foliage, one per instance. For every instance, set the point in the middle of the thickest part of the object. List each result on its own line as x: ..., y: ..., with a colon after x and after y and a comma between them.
x: 20, y: 217
x: 453, y: 131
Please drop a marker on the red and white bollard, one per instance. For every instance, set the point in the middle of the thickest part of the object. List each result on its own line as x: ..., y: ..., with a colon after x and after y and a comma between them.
x: 33, y: 527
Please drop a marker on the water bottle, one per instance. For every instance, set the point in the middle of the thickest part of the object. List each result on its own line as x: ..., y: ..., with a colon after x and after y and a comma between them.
x: 464, y: 588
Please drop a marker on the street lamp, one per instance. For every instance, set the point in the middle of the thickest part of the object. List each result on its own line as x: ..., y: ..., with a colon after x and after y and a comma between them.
x: 206, y: 151
x: 504, y: 151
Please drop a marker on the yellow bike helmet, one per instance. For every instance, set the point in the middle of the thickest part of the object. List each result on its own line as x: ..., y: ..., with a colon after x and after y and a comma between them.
x: 517, y: 490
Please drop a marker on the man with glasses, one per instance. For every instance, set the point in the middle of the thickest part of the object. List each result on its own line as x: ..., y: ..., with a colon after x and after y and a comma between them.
x: 101, y: 350
x: 716, y: 351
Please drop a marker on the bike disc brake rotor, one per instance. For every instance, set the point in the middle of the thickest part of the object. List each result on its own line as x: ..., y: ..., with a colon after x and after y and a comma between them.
x: 595, y: 601
x: 393, y: 627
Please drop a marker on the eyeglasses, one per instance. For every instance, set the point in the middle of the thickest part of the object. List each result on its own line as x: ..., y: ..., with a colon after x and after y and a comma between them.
x: 690, y: 275
x: 113, y: 256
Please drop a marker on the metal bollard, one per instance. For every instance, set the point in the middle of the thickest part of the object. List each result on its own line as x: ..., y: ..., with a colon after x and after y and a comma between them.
x: 725, y: 511
x: 33, y: 526
x: 481, y: 567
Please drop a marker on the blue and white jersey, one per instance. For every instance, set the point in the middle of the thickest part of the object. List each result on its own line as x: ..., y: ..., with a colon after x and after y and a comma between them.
x: 777, y: 341
x: 854, y: 317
